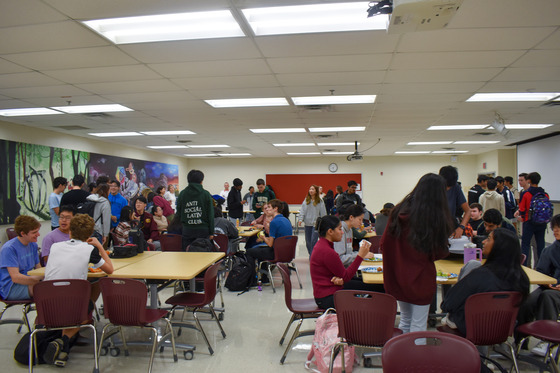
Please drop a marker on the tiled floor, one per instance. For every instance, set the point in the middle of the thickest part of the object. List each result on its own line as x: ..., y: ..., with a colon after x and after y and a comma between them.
x: 253, y: 321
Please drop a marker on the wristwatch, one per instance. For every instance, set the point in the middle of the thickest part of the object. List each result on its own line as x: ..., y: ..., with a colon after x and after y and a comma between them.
x: 462, y: 226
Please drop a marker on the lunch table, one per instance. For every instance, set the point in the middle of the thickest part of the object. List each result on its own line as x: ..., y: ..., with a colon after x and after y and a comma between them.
x: 248, y: 231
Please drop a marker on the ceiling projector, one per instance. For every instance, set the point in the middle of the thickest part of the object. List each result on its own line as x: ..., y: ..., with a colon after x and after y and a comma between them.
x: 355, y: 157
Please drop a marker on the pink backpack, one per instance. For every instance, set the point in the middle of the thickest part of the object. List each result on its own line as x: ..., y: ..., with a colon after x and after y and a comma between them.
x: 326, y: 336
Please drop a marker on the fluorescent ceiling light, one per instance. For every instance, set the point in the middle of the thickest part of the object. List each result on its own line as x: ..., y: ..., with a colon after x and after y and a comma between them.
x: 522, y: 96
x: 234, y: 154
x: 331, y: 100
x: 459, y: 127
x: 167, y: 133
x: 115, y: 134
x: 248, y: 102
x: 413, y: 152
x: 180, y: 26
x: 337, y: 129
x: 71, y: 109
x: 449, y: 151
x: 277, y: 130
x: 429, y: 142
x: 27, y: 111
x: 336, y: 143
x: 310, y: 153
x: 296, y: 144
x: 167, y: 146
x: 209, y: 146
x: 313, y: 18
x: 474, y: 142
x: 527, y: 126
x: 202, y: 155
x: 337, y: 153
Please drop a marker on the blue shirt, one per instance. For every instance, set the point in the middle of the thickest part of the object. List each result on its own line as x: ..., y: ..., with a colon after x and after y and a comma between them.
x: 455, y: 198
x: 54, y: 202
x: 117, y: 202
x: 280, y: 226
x: 16, y: 254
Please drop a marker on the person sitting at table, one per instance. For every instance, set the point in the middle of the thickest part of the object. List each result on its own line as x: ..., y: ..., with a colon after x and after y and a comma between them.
x: 146, y: 222
x: 262, y: 222
x: 70, y: 260
x: 501, y: 272
x: 352, y: 217
x: 161, y: 221
x: 122, y: 229
x: 19, y: 256
x: 62, y: 233
x: 280, y: 226
x: 382, y: 218
x: 160, y: 201
x: 328, y: 274
x: 476, y: 218
x: 226, y: 226
x: 544, y: 302
x: 493, y: 219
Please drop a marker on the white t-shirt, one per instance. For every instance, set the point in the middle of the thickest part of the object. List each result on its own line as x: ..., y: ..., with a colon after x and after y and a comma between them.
x: 70, y: 259
x: 172, y: 200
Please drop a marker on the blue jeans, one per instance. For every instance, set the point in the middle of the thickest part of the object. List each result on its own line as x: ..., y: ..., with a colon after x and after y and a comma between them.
x: 311, y: 238
x: 530, y: 229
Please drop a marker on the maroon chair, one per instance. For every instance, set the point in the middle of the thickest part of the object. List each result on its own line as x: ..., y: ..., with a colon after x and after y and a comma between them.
x: 171, y: 242
x: 365, y: 319
x: 11, y: 233
x: 26, y: 308
x: 547, y: 331
x: 124, y: 303
x: 62, y: 304
x: 284, y: 252
x: 301, y: 309
x: 197, y: 301
x: 490, y: 319
x: 430, y: 351
x: 375, y: 244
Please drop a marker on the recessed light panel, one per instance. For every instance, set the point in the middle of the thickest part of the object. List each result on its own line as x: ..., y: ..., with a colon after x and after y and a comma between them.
x: 459, y: 127
x: 527, y: 126
x: 167, y: 133
x: 475, y: 142
x: 336, y: 144
x: 167, y: 147
x: 449, y: 151
x: 247, y: 102
x: 413, y: 152
x: 337, y: 129
x: 80, y: 109
x: 429, y: 143
x: 234, y: 154
x: 277, y: 130
x: 209, y: 146
x: 337, y: 153
x: 28, y: 111
x: 115, y: 134
x: 202, y: 155
x: 522, y: 96
x: 332, y: 100
x: 296, y: 144
x: 309, y: 153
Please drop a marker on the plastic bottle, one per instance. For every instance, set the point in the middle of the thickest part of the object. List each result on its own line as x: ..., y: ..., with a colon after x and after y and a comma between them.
x: 259, y: 283
x: 237, y: 223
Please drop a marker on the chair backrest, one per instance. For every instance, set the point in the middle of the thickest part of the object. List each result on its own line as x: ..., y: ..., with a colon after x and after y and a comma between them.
x: 285, y: 249
x: 375, y: 244
x: 365, y: 318
x: 62, y: 303
x: 245, y: 224
x: 171, y: 242
x: 430, y: 351
x: 490, y: 317
x: 223, y: 241
x: 11, y: 233
x: 285, y: 272
x: 210, y: 282
x: 124, y: 300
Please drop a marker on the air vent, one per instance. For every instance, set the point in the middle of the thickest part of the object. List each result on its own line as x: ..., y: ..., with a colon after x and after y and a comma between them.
x: 329, y: 150
x: 184, y: 141
x: 324, y: 136
x: 317, y: 108
x: 448, y: 148
x: 71, y: 128
x: 97, y: 115
x: 484, y: 133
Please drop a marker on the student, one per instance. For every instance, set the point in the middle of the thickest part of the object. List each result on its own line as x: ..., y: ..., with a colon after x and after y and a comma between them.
x: 491, y: 199
x: 248, y: 197
x: 416, y: 235
x: 493, y: 219
x: 235, y: 203
x: 455, y: 199
x: 350, y: 196
x: 161, y: 221
x: 328, y: 274
x: 117, y: 202
x: 312, y: 208
x: 146, y: 222
x: 122, y: 230
x: 18, y: 256
x: 160, y: 201
x: 77, y: 195
x: 225, y: 226
x: 261, y: 196
x: 59, y: 185
x: 70, y: 260
x: 509, y: 198
x: 101, y: 212
x: 352, y: 217
x: 476, y: 216
x: 170, y: 197
x: 501, y: 272
x: 62, y: 233
x: 478, y: 189
x: 382, y: 218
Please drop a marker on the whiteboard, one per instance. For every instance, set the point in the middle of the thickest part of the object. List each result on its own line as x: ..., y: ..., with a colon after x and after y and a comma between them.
x: 542, y: 156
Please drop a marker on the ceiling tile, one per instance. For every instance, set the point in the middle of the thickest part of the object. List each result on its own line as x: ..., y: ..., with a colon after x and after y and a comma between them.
x: 110, y: 88
x: 454, y: 60
x: 104, y: 74
x: 211, y: 68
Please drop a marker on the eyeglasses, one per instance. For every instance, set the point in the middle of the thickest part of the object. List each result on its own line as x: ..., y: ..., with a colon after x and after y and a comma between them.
x: 65, y: 217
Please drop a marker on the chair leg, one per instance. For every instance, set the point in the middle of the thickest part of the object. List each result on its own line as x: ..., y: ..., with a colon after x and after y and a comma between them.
x: 26, y: 310
x: 270, y: 277
x: 125, y: 346
x: 287, y: 328
x: 294, y: 336
x: 199, y: 326
x: 102, y: 339
x: 513, y: 358
x: 95, y: 354
x: 32, y: 350
x: 334, y: 352
x: 170, y: 327
x: 217, y: 320
x: 154, y: 347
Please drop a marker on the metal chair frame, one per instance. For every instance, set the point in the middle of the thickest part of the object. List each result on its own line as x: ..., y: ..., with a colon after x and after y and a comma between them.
x: 284, y: 252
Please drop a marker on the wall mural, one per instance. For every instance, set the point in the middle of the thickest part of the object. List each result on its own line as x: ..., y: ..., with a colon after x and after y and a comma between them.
x: 27, y: 172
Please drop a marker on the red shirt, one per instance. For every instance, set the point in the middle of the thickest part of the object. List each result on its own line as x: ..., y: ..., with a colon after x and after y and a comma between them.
x: 525, y: 203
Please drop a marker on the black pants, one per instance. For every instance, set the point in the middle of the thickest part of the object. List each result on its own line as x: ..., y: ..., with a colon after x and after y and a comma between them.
x: 189, y: 235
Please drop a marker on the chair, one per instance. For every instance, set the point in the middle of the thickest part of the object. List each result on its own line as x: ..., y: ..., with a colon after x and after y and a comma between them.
x: 196, y: 301
x: 125, y: 305
x: 547, y: 331
x: 26, y: 308
x: 490, y: 319
x: 245, y: 224
x: 301, y: 309
x: 171, y: 242
x: 11, y: 233
x: 284, y: 252
x: 62, y: 304
x: 430, y: 351
x: 375, y: 244
x: 365, y: 319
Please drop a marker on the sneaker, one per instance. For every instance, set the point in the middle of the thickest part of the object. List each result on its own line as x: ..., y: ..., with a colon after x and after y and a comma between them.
x: 61, y: 359
x: 53, y: 350
x: 540, y: 349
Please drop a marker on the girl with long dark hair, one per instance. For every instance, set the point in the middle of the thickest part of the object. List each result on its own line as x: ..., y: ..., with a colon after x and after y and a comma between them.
x: 416, y: 235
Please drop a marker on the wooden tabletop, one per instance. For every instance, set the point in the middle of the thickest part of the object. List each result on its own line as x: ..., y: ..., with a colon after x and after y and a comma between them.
x: 169, y: 266
x: 117, y: 264
x: 248, y: 231
x: 454, y: 266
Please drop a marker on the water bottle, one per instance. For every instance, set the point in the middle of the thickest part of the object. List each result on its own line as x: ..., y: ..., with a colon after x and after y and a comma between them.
x: 259, y: 283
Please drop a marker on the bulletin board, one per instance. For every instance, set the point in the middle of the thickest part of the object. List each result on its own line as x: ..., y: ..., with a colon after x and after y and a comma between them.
x: 293, y: 188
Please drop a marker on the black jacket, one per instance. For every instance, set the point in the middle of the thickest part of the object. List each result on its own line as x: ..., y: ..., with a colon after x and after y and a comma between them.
x: 234, y: 205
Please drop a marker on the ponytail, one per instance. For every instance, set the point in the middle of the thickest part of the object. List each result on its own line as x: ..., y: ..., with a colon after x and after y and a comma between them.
x: 324, y: 223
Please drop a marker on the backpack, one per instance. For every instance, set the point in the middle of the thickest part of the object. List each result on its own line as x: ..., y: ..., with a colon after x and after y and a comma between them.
x: 540, y: 209
x: 326, y: 336
x: 241, y: 275
x: 201, y: 245
x: 136, y: 237
x: 87, y: 207
x: 43, y: 338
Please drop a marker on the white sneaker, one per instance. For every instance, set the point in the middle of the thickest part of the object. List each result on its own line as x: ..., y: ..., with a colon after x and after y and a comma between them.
x: 540, y: 349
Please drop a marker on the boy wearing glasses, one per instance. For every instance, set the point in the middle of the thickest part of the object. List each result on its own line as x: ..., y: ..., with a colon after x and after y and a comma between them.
x: 60, y: 234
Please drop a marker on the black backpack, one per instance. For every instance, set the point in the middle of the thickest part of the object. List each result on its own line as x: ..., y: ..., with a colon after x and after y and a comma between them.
x: 136, y: 237
x: 201, y: 245
x: 43, y: 338
x: 87, y: 207
x: 241, y: 275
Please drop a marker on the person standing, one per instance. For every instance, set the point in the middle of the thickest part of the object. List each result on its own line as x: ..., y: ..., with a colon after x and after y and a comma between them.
x: 224, y: 193
x: 235, y: 203
x: 350, y: 196
x: 455, y: 199
x: 170, y: 197
x: 312, y: 208
x: 117, y: 202
x: 261, y: 197
x: 416, y: 235
x: 491, y: 199
x: 77, y: 195
x: 59, y: 184
x: 195, y: 209
x: 248, y: 197
x: 509, y: 198
x: 101, y: 212
x: 478, y: 189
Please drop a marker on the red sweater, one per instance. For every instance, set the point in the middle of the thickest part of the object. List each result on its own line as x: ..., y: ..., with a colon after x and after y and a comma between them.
x: 324, y: 264
x: 408, y: 274
x: 525, y: 203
